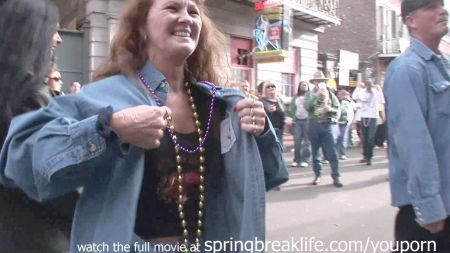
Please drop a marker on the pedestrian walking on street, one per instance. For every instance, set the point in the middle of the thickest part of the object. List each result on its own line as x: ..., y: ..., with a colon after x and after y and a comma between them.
x: 381, y: 132
x: 417, y: 89
x: 160, y: 153
x: 323, y: 112
x: 370, y: 97
x: 344, y: 122
x: 299, y: 115
x: 274, y: 108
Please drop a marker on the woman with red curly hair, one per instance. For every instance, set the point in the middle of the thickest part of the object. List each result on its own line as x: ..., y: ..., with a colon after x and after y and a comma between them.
x: 164, y: 155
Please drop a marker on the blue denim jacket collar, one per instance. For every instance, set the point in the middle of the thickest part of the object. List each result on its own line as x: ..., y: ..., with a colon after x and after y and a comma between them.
x: 155, y: 78
x: 152, y: 75
x: 422, y: 50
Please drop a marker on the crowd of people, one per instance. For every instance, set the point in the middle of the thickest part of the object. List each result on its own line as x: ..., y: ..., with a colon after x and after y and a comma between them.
x: 322, y: 118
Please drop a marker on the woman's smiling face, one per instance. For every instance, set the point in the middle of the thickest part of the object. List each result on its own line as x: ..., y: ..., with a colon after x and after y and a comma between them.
x: 173, y: 28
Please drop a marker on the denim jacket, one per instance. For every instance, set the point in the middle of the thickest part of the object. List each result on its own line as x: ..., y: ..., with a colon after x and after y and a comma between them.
x: 56, y: 149
x: 417, y: 90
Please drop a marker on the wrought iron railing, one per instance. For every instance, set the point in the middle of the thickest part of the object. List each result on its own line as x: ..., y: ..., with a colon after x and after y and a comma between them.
x: 329, y: 7
x: 389, y: 46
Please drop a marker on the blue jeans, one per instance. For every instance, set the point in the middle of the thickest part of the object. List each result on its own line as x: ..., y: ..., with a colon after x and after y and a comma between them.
x: 321, y: 135
x: 302, y: 150
x: 380, y: 135
x: 368, y: 128
x: 350, y: 135
x: 342, y: 139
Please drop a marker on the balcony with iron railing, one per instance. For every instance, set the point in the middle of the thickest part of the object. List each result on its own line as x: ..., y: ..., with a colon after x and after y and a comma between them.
x: 392, y: 47
x: 318, y: 12
x: 328, y: 7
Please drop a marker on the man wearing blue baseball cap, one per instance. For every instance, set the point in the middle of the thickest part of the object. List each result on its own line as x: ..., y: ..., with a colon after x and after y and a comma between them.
x: 417, y: 90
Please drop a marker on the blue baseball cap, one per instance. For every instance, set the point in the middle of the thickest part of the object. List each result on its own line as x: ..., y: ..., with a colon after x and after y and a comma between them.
x: 409, y: 6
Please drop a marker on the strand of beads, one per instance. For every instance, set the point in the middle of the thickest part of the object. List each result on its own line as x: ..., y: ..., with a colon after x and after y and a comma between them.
x: 201, y: 187
x: 199, y: 148
x: 196, y: 148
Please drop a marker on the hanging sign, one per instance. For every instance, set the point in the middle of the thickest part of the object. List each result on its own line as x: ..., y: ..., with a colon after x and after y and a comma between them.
x: 272, y: 31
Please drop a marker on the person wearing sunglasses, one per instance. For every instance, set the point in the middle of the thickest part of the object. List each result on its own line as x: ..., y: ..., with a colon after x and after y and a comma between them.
x: 274, y: 108
x: 54, y: 83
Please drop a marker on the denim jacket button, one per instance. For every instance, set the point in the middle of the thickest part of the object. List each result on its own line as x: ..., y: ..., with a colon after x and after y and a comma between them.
x: 92, y: 147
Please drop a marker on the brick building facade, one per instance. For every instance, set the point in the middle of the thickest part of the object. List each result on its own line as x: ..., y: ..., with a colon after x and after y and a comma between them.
x: 357, y: 32
x: 372, y: 29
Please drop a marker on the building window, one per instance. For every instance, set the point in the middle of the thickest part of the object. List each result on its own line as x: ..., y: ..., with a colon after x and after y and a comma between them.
x: 243, y: 55
x: 241, y: 60
x: 287, y: 84
x: 240, y: 52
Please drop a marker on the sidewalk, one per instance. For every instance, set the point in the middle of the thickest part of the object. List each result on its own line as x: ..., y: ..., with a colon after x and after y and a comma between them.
x: 288, y: 141
x: 354, y: 152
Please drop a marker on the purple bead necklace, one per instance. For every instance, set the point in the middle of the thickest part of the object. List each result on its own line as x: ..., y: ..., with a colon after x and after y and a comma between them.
x: 179, y: 169
x: 170, y: 130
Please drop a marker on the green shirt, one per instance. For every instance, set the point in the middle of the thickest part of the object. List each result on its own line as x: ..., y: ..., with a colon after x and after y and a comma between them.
x: 345, y: 105
x: 315, y: 106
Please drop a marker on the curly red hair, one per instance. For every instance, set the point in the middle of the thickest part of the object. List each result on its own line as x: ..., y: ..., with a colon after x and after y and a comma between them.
x: 128, y: 49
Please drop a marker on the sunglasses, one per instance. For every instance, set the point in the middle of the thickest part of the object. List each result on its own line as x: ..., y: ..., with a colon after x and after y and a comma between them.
x: 270, y: 86
x: 55, y: 78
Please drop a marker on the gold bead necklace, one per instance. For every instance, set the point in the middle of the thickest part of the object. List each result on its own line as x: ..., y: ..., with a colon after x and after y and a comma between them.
x: 201, y: 187
x: 198, y: 148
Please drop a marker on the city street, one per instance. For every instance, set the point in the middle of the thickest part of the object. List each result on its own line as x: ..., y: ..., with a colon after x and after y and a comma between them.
x: 360, y: 211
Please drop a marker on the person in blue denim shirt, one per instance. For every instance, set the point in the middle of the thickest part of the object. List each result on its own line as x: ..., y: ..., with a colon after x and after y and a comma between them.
x: 417, y: 91
x: 162, y: 157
